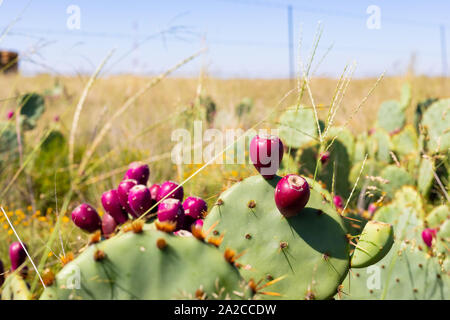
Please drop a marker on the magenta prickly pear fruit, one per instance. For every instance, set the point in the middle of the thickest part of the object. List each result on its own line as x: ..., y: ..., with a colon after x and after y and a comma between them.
x: 427, y: 237
x: 10, y: 114
x: 372, y: 208
x: 291, y: 195
x: 194, y: 207
x: 108, y: 225
x: 167, y: 188
x: 324, y: 157
x: 266, y: 153
x: 140, y: 200
x: 111, y: 204
x: 123, y: 190
x: 86, y: 218
x: 198, y: 223
x: 154, y: 190
x: 138, y: 171
x: 171, y: 210
x: 17, y: 255
x: 338, y: 202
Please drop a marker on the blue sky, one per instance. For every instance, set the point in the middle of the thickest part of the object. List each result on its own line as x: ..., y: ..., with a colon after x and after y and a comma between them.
x: 245, y: 38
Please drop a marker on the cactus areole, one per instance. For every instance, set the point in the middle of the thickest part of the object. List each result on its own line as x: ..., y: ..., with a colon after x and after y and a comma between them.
x: 17, y: 255
x: 291, y: 195
x: 266, y: 153
x: 86, y: 218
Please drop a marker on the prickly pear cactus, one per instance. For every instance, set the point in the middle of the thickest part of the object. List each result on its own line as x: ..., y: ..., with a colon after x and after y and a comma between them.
x: 32, y: 106
x: 438, y: 216
x: 410, y: 270
x: 425, y: 176
x: 15, y: 288
x: 391, y: 116
x: 297, y: 127
x: 405, y: 143
x: 309, y: 253
x: 148, y: 265
x: 8, y: 141
x: 244, y: 107
x: 436, y: 122
x: 395, y: 177
x: 379, y: 146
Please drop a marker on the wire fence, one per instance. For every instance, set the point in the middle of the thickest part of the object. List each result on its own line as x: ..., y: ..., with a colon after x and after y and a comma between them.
x: 180, y: 33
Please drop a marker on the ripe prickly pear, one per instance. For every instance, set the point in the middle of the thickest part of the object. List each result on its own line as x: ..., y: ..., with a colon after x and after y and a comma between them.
x: 198, y: 223
x: 266, y: 153
x: 324, y: 157
x: 108, y: 225
x: 291, y: 195
x: 338, y: 202
x: 171, y: 210
x: 138, y: 171
x: 17, y: 255
x: 194, y: 207
x: 10, y: 114
x: 86, y: 218
x: 140, y: 200
x: 428, y: 235
x: 167, y: 188
x: 154, y: 190
x: 111, y: 204
x: 123, y: 190
x: 372, y: 208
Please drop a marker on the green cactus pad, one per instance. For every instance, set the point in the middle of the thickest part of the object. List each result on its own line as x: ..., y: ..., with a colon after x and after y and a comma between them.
x: 397, y: 177
x: 391, y: 116
x: 310, y: 250
x: 379, y: 146
x: 15, y: 288
x: 436, y: 120
x: 134, y: 267
x: 405, y: 97
x: 345, y: 136
x: 438, y: 216
x: 406, y: 273
x: 32, y: 106
x: 360, y: 148
x: 375, y: 242
x: 425, y: 177
x: 405, y: 142
x: 297, y: 127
